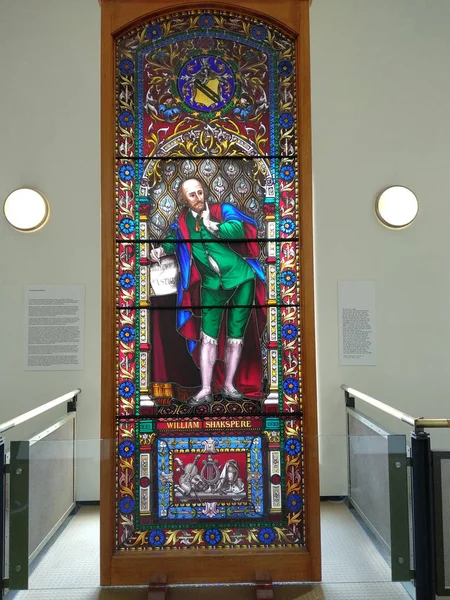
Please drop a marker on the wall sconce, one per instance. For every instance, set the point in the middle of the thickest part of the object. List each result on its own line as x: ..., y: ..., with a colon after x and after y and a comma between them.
x: 26, y: 209
x: 396, y: 207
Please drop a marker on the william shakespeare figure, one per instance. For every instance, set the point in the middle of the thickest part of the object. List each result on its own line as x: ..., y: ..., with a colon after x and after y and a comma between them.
x: 220, y: 277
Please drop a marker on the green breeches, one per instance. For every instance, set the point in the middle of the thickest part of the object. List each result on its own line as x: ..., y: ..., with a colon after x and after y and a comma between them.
x: 240, y: 302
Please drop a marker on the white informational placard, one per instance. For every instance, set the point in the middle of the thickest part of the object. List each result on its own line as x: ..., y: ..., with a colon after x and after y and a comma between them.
x: 357, y: 323
x: 54, y: 317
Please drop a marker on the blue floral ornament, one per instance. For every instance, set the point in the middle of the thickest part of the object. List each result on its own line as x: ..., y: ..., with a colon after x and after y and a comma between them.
x: 289, y: 331
x: 127, y: 281
x: 266, y: 535
x: 287, y: 226
x: 157, y: 538
x: 170, y: 112
x: 206, y: 21
x: 126, y: 226
x: 292, y: 447
x: 287, y: 173
x: 258, y: 32
x: 126, y: 389
x: 288, y: 277
x: 286, y: 120
x: 126, y: 449
x: 126, y: 172
x: 290, y: 385
x: 127, y: 334
x: 294, y: 502
x: 243, y: 110
x: 126, y: 66
x: 213, y: 537
x: 126, y: 505
x: 285, y: 67
x: 126, y: 119
x: 154, y: 32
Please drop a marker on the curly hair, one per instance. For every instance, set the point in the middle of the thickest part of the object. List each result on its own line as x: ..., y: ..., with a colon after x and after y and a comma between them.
x: 181, y: 200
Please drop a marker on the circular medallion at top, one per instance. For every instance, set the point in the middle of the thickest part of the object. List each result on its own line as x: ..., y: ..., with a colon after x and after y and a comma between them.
x: 206, y: 83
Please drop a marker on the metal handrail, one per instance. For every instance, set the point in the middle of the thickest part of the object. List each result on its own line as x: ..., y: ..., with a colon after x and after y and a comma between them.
x: 380, y: 405
x: 416, y: 422
x: 432, y: 423
x: 422, y: 492
x: 38, y: 411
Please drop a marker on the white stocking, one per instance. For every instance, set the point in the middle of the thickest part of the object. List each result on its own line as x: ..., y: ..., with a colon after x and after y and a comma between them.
x: 233, y: 352
x: 208, y: 357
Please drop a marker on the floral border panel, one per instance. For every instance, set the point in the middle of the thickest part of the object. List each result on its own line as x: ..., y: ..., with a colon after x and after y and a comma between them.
x: 147, y: 480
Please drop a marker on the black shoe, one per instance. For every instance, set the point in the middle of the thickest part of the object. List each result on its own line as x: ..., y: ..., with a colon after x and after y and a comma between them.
x: 193, y: 401
x: 235, y: 395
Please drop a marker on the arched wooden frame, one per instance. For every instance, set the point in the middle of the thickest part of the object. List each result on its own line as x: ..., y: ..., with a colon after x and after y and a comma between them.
x: 204, y: 566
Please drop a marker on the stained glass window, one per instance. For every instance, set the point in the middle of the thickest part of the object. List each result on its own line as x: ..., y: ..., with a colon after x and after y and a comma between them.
x: 209, y: 386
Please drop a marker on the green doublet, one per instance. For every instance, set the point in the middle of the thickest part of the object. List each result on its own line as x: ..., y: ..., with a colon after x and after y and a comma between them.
x: 234, y: 270
x: 227, y: 278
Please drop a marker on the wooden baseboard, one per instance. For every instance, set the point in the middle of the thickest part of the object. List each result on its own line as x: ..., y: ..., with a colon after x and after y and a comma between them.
x: 233, y: 566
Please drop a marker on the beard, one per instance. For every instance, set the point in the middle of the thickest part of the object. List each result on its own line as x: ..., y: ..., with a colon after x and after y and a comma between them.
x: 197, y: 206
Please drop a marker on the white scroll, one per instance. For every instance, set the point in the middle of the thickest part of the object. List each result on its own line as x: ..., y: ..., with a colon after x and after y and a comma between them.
x: 164, y: 276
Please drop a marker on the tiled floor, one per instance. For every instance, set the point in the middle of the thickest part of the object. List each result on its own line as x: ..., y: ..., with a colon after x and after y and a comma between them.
x: 352, y: 568
x: 364, y: 591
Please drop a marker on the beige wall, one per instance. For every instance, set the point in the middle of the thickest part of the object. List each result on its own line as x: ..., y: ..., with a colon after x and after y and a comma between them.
x: 50, y: 139
x: 381, y: 116
x: 381, y: 88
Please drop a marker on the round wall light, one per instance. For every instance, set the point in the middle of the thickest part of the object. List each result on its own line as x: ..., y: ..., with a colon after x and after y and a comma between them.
x: 396, y: 207
x: 26, y: 209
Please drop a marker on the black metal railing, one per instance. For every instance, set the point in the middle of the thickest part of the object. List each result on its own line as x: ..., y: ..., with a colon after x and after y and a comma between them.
x: 17, y: 555
x: 424, y: 569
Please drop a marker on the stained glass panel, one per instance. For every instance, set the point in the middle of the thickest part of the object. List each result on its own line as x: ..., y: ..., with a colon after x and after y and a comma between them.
x: 264, y: 189
x: 190, y: 89
x: 210, y: 482
x: 169, y: 373
x: 209, y: 387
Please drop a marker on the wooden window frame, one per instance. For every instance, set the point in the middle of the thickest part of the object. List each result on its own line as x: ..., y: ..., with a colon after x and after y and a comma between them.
x: 227, y: 565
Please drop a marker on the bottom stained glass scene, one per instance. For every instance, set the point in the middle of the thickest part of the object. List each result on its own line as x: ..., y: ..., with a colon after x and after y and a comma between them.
x: 210, y: 482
